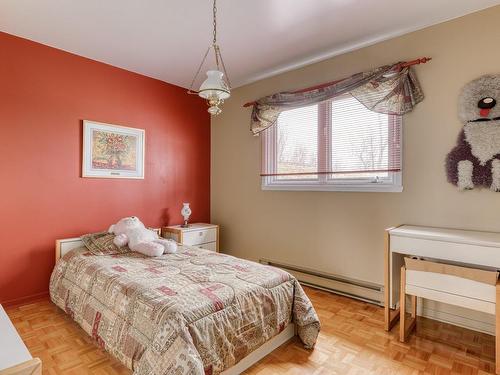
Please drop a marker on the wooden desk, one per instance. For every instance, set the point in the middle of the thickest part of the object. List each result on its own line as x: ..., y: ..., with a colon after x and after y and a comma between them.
x: 473, y: 249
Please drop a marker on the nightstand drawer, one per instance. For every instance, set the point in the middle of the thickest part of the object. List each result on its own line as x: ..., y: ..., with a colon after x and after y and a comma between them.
x: 197, y: 237
x: 197, y: 234
x: 212, y: 246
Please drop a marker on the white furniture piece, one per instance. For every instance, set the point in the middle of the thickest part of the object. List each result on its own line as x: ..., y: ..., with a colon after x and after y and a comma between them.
x: 458, y: 267
x: 15, y: 359
x: 202, y: 235
x: 63, y: 246
x: 468, y: 287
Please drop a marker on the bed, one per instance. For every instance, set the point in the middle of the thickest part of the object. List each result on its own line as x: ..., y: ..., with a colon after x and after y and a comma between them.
x: 193, y: 312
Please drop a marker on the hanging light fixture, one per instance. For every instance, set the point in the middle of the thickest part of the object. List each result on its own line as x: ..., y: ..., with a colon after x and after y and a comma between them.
x: 216, y: 88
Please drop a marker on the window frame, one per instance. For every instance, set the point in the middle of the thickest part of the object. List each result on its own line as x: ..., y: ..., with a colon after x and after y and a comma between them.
x: 393, y: 183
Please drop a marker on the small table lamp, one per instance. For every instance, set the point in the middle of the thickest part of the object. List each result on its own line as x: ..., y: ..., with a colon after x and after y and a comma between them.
x: 185, y: 212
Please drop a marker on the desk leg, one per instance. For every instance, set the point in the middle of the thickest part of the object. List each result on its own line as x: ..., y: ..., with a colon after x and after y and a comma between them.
x: 390, y: 317
x: 497, y: 329
x: 402, y: 306
x: 404, y: 328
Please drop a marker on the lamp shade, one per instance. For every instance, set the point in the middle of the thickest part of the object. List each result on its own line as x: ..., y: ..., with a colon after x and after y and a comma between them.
x: 214, y: 86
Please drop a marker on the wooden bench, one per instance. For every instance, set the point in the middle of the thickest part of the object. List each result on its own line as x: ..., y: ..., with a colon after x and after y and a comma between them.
x: 472, y: 288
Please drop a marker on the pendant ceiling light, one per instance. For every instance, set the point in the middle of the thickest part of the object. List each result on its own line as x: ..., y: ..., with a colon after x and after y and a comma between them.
x: 216, y: 88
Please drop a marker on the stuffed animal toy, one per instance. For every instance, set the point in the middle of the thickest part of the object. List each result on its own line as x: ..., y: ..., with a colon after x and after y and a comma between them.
x: 131, y: 231
x: 475, y: 160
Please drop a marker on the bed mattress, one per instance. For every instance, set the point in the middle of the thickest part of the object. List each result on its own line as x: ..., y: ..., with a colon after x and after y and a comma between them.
x: 193, y: 312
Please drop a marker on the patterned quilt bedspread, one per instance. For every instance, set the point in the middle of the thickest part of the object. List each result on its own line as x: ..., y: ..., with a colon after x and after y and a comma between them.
x: 193, y: 312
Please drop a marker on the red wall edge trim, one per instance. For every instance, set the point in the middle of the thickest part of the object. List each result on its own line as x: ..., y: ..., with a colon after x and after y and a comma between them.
x: 45, y: 94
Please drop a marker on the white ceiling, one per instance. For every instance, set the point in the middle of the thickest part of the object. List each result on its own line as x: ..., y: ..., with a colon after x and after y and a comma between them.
x: 166, y: 39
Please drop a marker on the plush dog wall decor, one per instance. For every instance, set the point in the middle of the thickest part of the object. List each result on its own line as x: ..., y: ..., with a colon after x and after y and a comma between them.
x: 475, y: 160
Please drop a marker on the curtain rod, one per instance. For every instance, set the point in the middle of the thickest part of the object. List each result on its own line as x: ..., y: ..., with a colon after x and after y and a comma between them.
x: 421, y: 60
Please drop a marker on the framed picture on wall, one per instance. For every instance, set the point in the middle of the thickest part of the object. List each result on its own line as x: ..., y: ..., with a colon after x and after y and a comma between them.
x: 112, y: 151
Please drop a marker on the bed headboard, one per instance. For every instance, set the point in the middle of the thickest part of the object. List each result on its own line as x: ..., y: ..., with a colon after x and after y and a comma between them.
x: 67, y: 244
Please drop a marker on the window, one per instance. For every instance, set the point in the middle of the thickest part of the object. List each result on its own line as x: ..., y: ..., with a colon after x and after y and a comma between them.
x: 336, y: 145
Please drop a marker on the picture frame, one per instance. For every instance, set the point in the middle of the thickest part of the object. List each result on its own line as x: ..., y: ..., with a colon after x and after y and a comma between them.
x: 112, y: 151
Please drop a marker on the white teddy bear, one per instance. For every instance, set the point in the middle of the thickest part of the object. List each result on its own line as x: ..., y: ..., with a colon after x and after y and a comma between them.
x: 131, y: 231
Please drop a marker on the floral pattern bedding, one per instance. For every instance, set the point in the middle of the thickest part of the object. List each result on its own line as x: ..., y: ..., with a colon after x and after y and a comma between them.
x: 193, y: 312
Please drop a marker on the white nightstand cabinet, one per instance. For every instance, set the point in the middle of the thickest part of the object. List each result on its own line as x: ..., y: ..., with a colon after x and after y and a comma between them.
x: 202, y: 235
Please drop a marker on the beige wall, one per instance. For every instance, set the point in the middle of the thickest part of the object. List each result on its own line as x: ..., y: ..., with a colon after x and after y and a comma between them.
x: 342, y: 233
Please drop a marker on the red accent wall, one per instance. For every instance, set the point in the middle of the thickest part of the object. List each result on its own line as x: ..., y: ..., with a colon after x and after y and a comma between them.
x: 45, y: 93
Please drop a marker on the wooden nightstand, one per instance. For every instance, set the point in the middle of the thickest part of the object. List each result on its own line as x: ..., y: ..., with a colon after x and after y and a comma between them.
x: 202, y: 235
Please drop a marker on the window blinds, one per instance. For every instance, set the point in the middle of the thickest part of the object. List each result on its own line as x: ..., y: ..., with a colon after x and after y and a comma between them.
x: 297, y: 142
x: 340, y: 138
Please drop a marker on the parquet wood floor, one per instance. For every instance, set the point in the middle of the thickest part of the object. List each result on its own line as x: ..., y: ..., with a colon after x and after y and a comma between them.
x: 352, y: 342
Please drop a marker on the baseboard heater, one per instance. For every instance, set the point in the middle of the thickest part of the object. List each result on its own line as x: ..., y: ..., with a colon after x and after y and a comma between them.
x: 361, y: 290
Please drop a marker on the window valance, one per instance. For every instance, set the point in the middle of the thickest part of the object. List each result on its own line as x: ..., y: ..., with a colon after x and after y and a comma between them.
x: 390, y: 89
